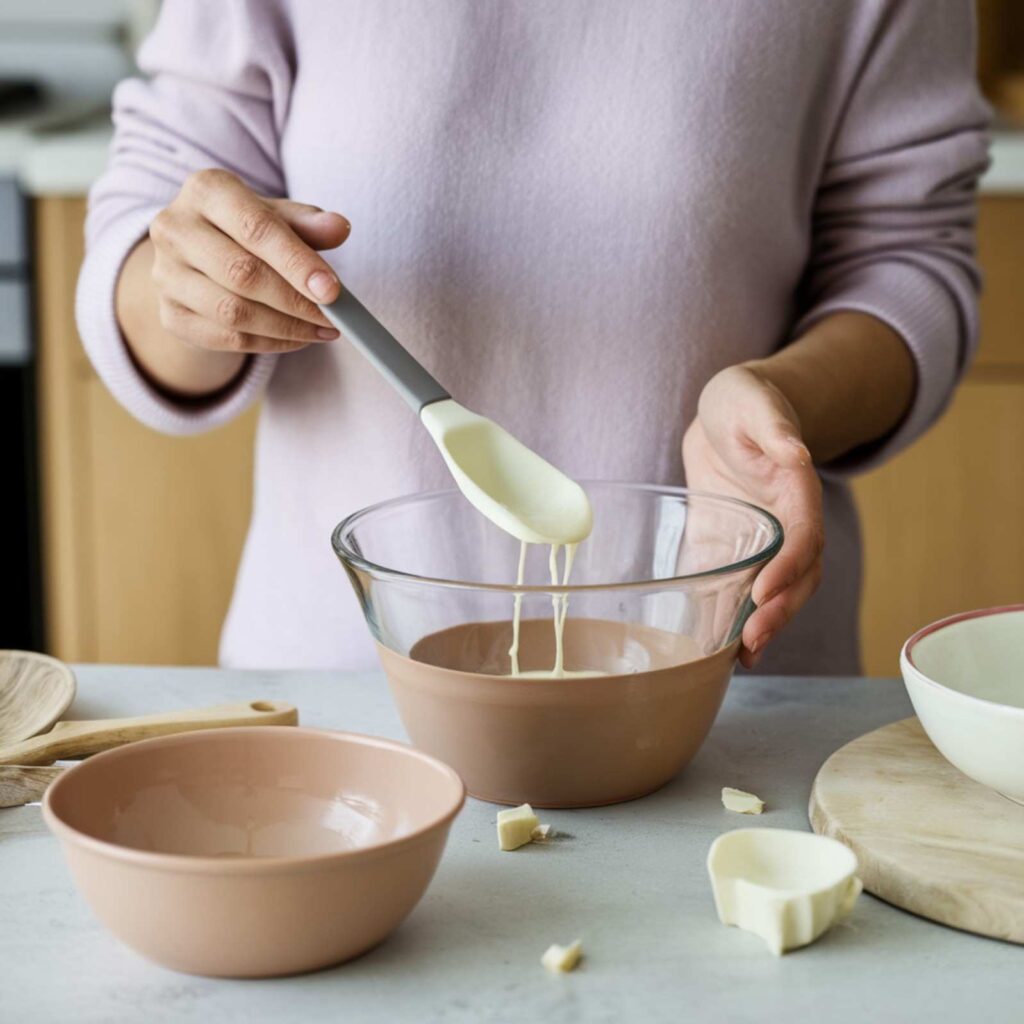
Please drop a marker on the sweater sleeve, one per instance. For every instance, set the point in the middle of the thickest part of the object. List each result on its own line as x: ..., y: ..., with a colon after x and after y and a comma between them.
x: 893, y: 224
x: 218, y: 81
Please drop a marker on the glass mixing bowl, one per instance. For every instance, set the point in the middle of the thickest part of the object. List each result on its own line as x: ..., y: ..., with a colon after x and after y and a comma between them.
x: 674, y: 560
x: 654, y: 609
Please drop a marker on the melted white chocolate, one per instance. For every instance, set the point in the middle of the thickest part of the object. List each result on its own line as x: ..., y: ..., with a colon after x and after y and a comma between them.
x: 517, y: 609
x: 560, y: 610
x: 510, y: 484
x: 560, y: 603
x: 566, y: 673
x: 788, y: 887
x: 522, y: 494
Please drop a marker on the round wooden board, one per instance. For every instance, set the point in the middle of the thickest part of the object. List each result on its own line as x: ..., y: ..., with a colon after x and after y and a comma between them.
x: 928, y: 839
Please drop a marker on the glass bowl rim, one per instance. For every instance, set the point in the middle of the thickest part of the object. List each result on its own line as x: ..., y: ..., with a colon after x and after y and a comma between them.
x: 350, y: 558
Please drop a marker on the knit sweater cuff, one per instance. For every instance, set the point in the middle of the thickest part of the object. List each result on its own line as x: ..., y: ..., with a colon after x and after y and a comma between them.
x: 106, y: 348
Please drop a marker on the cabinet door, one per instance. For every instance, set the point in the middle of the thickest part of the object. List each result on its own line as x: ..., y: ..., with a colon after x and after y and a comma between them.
x: 141, y: 533
x: 1001, y: 255
x: 944, y: 522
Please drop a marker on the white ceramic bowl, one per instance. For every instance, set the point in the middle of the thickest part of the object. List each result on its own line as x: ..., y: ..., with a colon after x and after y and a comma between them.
x: 965, y: 677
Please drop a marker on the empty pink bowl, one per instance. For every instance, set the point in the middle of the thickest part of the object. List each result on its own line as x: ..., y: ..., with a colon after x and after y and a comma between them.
x: 254, y: 852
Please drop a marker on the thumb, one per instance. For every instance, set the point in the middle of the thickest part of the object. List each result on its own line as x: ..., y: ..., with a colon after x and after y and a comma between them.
x: 319, y: 229
x: 775, y: 429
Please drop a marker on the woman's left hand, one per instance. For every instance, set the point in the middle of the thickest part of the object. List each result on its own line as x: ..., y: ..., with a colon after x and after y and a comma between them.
x: 746, y: 442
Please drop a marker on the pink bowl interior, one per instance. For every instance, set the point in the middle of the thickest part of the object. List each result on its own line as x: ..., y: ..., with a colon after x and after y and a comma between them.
x: 256, y: 793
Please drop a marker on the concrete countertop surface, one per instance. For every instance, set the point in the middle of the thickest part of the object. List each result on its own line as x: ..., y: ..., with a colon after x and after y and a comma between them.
x: 629, y: 880
x: 1005, y: 174
x: 60, y: 151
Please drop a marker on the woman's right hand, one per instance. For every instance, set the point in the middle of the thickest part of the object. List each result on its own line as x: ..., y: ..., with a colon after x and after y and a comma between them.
x: 227, y: 272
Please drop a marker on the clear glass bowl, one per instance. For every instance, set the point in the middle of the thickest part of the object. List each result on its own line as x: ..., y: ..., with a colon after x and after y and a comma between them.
x: 667, y: 558
x: 657, y: 599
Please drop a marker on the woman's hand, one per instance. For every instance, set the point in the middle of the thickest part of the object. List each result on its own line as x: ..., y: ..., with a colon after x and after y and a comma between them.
x: 746, y: 442
x: 228, y: 273
x: 845, y: 383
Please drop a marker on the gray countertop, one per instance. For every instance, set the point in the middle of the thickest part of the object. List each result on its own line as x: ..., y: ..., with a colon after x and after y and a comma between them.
x: 629, y: 880
x: 67, y: 161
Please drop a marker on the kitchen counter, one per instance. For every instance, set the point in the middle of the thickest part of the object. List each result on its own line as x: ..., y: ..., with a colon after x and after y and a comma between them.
x: 629, y: 880
x: 67, y: 162
x: 60, y: 151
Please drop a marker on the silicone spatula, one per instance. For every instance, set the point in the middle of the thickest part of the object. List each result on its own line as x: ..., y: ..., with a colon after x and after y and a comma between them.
x: 510, y: 484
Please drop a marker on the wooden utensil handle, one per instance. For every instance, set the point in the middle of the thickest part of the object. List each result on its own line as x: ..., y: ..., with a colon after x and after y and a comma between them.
x: 79, y: 739
x: 21, y: 785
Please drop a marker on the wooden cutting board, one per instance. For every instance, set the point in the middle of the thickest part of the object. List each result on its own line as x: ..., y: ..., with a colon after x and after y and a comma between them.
x: 928, y: 839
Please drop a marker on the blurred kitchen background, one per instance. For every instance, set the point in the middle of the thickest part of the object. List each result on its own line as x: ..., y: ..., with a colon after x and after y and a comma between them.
x: 119, y: 545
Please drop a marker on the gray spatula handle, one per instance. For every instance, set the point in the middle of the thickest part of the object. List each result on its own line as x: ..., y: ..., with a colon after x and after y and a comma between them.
x: 386, y: 353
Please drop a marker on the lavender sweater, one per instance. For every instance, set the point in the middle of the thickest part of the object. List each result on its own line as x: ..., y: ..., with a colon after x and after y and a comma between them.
x: 574, y: 213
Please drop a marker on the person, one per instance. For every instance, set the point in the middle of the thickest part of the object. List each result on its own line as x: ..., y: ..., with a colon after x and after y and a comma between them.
x: 739, y: 232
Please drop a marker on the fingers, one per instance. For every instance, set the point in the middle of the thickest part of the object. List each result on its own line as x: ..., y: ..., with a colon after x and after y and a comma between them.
x: 744, y: 413
x: 232, y: 312
x: 200, y: 332
x: 259, y: 229
x: 184, y: 239
x: 239, y: 273
x: 786, y: 583
x: 319, y: 229
x: 802, y: 547
x: 780, y: 440
x: 772, y: 616
x: 748, y: 434
x: 772, y: 425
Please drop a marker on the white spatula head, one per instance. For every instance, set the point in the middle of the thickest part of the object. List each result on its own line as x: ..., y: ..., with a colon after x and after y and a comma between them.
x: 510, y: 484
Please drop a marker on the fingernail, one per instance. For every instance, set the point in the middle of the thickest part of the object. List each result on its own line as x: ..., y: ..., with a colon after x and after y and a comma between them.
x: 322, y: 215
x: 759, y: 643
x: 322, y: 284
x: 802, y: 448
x: 327, y: 333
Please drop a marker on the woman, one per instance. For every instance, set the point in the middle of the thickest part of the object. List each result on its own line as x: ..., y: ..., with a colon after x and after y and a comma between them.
x: 615, y: 228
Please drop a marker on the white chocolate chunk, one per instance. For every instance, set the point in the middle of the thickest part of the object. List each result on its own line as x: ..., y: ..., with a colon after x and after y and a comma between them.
x: 515, y: 827
x: 787, y: 887
x: 541, y: 834
x: 742, y: 803
x: 562, y: 958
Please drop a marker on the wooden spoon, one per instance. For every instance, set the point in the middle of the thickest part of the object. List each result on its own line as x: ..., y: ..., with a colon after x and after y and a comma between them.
x: 25, y: 784
x: 35, y: 690
x: 80, y: 739
x: 26, y: 781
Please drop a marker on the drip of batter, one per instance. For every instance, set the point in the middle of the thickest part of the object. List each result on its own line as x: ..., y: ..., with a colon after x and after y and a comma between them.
x: 520, y: 493
x: 560, y: 603
x: 560, y: 610
x: 517, y: 606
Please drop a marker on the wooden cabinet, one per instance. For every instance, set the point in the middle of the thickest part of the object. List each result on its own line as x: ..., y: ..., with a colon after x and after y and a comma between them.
x: 944, y: 521
x: 142, y: 533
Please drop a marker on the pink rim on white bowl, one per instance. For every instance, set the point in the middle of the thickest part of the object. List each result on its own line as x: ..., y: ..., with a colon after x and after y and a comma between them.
x: 969, y: 717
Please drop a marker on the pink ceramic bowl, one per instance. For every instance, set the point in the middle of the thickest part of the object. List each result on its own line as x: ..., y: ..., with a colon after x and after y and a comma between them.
x: 254, y: 852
